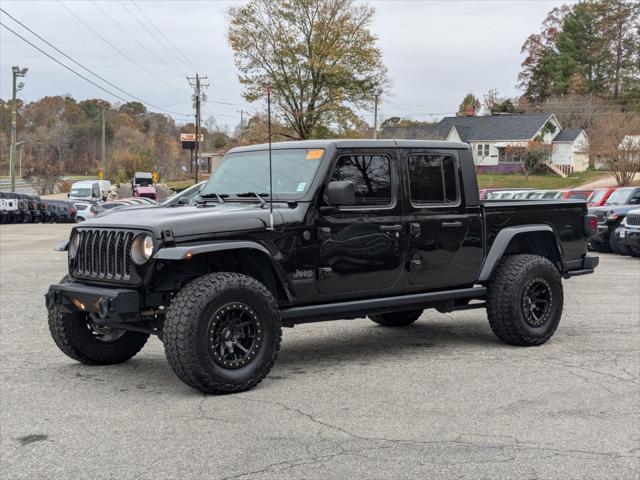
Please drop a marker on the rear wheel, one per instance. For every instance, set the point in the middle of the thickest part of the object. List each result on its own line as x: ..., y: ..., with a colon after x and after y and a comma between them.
x: 396, y: 319
x: 81, y: 339
x: 524, y: 300
x: 222, y: 333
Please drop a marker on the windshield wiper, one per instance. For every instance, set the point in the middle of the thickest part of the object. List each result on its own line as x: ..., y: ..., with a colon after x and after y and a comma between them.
x: 219, y: 197
x: 254, y: 194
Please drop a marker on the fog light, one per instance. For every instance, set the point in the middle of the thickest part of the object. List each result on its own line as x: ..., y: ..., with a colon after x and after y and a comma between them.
x: 79, y: 305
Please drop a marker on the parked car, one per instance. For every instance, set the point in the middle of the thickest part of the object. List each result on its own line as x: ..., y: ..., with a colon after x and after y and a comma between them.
x: 62, y: 211
x: 88, y: 190
x: 579, y: 194
x: 610, y: 215
x: 8, y: 207
x: 343, y: 238
x: 628, y: 233
x: 146, y: 192
x: 85, y: 211
x: 600, y: 196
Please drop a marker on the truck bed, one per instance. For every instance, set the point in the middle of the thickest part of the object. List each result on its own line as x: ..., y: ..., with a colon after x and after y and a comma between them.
x: 565, y: 217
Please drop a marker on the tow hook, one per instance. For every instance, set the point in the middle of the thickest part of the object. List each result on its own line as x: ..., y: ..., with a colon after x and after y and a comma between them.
x: 103, y: 305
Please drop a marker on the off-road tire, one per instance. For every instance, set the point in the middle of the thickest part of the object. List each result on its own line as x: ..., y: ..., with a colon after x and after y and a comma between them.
x: 72, y: 335
x: 186, y: 341
x: 617, y: 246
x: 505, y: 299
x: 396, y: 319
x: 599, y: 247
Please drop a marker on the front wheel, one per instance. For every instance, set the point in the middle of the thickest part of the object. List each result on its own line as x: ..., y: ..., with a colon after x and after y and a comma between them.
x: 617, y: 246
x: 524, y: 300
x: 222, y: 333
x: 81, y: 339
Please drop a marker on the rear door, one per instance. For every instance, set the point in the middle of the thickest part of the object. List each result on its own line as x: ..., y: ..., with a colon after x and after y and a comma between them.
x: 438, y: 224
x: 361, y: 247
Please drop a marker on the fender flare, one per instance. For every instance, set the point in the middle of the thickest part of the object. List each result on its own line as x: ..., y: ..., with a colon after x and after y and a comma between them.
x: 501, y: 242
x: 184, y: 252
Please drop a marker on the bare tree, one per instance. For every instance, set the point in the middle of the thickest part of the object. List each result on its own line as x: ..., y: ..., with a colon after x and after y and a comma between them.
x: 616, y: 141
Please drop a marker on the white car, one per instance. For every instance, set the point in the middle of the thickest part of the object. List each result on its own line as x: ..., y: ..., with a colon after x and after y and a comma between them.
x: 85, y: 211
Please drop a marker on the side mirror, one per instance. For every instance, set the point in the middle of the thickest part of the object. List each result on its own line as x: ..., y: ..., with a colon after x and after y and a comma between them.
x: 68, y: 195
x: 341, y: 193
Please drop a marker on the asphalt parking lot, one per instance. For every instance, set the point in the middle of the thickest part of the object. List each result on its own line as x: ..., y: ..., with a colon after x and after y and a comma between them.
x: 349, y: 399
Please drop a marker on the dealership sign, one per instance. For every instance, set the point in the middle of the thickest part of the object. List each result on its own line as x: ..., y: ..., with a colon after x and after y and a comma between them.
x: 189, y: 140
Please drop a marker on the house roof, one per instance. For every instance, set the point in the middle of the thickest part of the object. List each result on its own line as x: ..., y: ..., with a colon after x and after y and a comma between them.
x: 517, y: 126
x: 567, y: 135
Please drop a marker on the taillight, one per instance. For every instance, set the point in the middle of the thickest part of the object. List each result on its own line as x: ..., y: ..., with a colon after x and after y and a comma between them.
x: 590, y: 225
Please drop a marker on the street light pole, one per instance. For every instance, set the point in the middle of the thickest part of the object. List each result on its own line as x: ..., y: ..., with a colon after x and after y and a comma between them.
x: 17, y: 72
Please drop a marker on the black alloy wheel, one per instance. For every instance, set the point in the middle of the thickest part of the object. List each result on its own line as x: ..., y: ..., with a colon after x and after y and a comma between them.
x: 537, y: 298
x: 235, y: 335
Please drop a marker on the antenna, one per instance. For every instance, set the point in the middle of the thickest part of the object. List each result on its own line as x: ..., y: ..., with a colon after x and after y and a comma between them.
x: 270, y: 167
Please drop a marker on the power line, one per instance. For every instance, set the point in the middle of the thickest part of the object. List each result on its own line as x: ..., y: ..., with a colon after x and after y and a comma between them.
x: 63, y: 65
x: 89, y: 70
x: 180, y: 55
x: 126, y: 32
x: 143, y: 25
x: 106, y: 40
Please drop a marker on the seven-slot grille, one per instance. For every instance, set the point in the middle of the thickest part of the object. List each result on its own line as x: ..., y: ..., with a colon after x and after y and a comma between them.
x: 104, y: 254
x: 633, y: 219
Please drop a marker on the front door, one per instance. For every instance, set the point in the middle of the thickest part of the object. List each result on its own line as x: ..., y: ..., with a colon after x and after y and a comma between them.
x: 361, y: 247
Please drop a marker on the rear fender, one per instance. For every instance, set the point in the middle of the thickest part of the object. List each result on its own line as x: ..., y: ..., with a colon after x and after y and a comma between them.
x: 510, y: 234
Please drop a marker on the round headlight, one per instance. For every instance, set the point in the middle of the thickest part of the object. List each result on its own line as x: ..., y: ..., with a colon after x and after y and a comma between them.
x: 74, y: 243
x: 142, y: 248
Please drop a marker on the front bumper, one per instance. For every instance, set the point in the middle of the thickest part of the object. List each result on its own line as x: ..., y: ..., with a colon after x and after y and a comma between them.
x: 107, y: 304
x: 582, y: 266
x: 629, y: 237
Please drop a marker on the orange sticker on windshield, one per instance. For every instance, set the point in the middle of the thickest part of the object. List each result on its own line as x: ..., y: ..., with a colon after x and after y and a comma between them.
x: 315, y: 154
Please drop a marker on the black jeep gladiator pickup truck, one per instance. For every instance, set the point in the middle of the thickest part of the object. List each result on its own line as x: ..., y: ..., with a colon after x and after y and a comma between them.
x: 375, y: 228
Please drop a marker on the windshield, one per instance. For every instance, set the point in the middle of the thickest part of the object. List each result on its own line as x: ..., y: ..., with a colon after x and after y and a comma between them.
x: 597, y: 196
x: 80, y: 192
x: 619, y: 197
x: 243, y: 172
x: 578, y: 195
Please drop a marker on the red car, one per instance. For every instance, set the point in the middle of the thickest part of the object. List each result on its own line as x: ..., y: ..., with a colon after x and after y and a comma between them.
x: 600, y: 196
x: 577, y: 194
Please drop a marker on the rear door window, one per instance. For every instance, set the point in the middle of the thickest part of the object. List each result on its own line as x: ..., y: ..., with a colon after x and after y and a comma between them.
x: 432, y: 179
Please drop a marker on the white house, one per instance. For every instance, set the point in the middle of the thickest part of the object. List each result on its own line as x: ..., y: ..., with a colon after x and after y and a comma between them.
x: 498, y: 140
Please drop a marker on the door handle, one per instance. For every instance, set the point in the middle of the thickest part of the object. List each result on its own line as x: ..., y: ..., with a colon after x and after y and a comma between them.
x: 451, y: 224
x: 390, y: 228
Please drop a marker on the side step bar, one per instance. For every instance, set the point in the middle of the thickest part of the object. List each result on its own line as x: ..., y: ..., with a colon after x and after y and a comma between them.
x: 361, y: 308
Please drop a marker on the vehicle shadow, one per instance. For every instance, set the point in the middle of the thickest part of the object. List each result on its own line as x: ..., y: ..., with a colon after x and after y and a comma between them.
x: 376, y: 342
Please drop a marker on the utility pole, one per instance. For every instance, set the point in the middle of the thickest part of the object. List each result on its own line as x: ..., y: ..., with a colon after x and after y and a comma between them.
x: 376, y: 98
x: 104, y: 146
x: 17, y: 72
x: 198, y: 98
x: 241, y: 122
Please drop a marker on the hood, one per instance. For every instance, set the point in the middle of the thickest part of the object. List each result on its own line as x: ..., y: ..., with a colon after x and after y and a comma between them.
x: 193, y: 220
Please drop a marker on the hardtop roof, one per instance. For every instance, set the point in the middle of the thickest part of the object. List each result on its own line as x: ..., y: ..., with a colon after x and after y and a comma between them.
x: 355, y: 143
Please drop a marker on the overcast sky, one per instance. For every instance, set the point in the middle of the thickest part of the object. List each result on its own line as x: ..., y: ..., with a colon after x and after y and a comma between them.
x: 436, y: 51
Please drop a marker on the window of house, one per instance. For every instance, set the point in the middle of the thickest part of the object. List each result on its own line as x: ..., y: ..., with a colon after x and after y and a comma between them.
x: 510, y: 155
x: 486, y: 150
x: 479, y: 150
x: 432, y: 179
x: 371, y: 175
